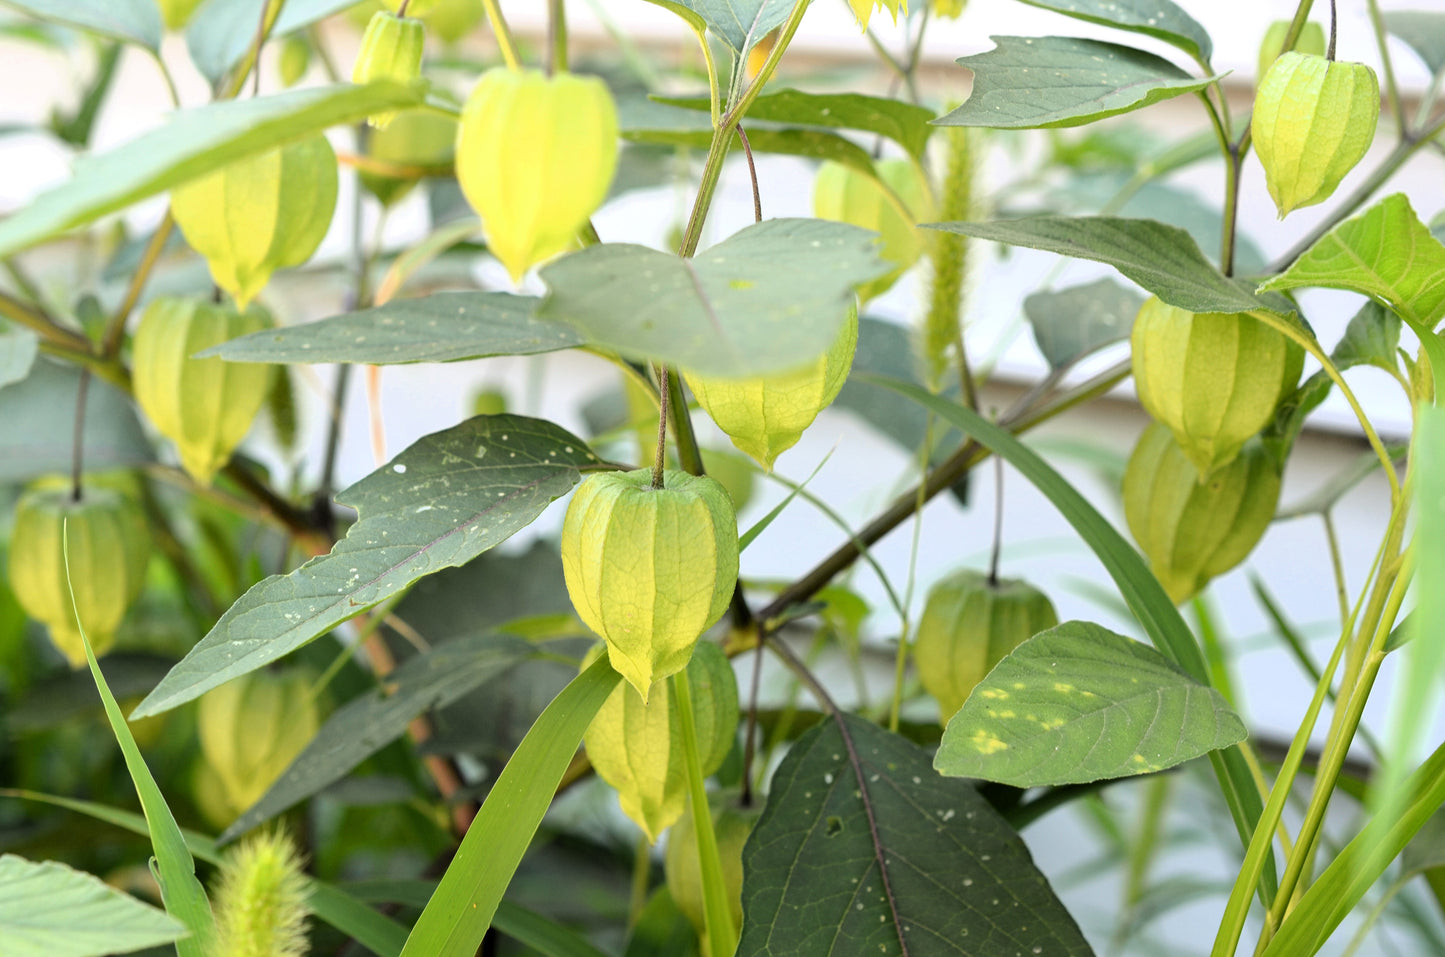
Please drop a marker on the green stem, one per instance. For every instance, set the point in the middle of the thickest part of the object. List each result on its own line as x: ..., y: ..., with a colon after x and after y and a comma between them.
x: 115, y: 329
x: 1341, y: 587
x: 503, y: 33
x: 42, y: 325
x: 717, y: 911
x: 1392, y: 88
x: 557, y: 29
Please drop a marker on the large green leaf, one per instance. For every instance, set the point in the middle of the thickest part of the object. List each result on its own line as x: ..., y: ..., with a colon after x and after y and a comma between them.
x: 647, y: 121
x: 1371, y: 338
x: 1079, y: 703
x: 341, y: 910
x: 436, y: 328
x: 1386, y: 253
x: 133, y: 21
x: 443, y: 501
x: 768, y: 298
x: 221, y: 31
x: 883, y: 855
x: 885, y: 349
x: 738, y: 23
x: 368, y: 723
x: 1139, y: 589
x: 37, y: 419
x: 1423, y: 31
x: 901, y: 122
x: 459, y: 913
x: 18, y: 347
x: 1163, y: 259
x: 50, y: 910
x: 1071, y: 323
x: 190, y: 144
x: 1036, y: 82
x: 1160, y: 19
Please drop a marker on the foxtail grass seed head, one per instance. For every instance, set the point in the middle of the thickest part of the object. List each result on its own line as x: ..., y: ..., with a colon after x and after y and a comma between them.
x: 260, y: 899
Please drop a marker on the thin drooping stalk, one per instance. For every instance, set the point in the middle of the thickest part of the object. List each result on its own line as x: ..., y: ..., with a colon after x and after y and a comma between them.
x: 77, y: 437
x: 717, y: 912
x: 659, y: 463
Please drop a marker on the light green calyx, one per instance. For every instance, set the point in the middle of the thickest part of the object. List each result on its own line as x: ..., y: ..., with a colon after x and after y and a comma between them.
x: 844, y: 194
x: 205, y: 406
x: 254, y: 216
x: 637, y: 746
x: 1313, y: 120
x: 1213, y: 378
x: 1190, y: 530
x: 391, y: 49
x: 1311, y: 40
x: 649, y: 570
x: 766, y: 416
x: 968, y: 625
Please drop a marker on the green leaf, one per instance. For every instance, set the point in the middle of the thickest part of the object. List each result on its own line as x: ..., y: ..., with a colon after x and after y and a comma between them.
x: 368, y: 723
x: 738, y: 23
x: 193, y: 143
x: 1040, y: 82
x: 1071, y: 323
x: 461, y: 910
x: 443, y: 501
x: 1139, y: 589
x: 39, y: 418
x: 221, y: 31
x: 442, y: 327
x: 1386, y: 253
x: 1371, y: 338
x: 49, y: 910
x: 763, y: 300
x: 1423, y: 31
x: 647, y: 121
x: 1342, y: 885
x: 1160, y: 19
x: 945, y: 873
x: 1164, y: 260
x: 885, y: 349
x: 1079, y: 703
x: 341, y: 910
x: 174, y: 868
x: 18, y: 348
x: 132, y: 21
x: 903, y: 123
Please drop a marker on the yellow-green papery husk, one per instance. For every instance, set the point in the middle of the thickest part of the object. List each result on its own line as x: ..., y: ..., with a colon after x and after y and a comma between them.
x: 413, y: 138
x: 766, y: 416
x: 110, y: 548
x: 260, y: 214
x: 391, y: 49
x: 649, y: 570
x: 1313, y: 120
x: 863, y: 9
x: 1215, y: 379
x: 969, y: 624
x: 175, y: 14
x: 1191, y: 530
x: 205, y: 406
x: 637, y: 747
x: 731, y: 824
x: 535, y: 158
x: 1311, y: 40
x: 251, y: 729
x: 846, y: 195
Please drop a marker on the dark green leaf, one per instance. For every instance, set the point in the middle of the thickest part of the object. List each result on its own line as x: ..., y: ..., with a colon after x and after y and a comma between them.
x: 886, y: 349
x: 1386, y: 253
x: 438, y: 328
x: 1071, y: 323
x: 738, y: 23
x: 367, y: 724
x: 75, y: 128
x: 1371, y: 339
x: 647, y: 121
x: 444, y: 500
x: 134, y: 21
x: 946, y: 874
x: 1160, y: 19
x: 459, y: 913
x: 901, y: 122
x: 192, y: 143
x: 49, y: 910
x: 221, y: 31
x: 1423, y: 31
x: 661, y: 930
x: 37, y: 416
x: 1079, y: 703
x: 763, y: 300
x: 1163, y: 259
x: 1038, y: 82
x: 1289, y: 418
x: 18, y: 347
